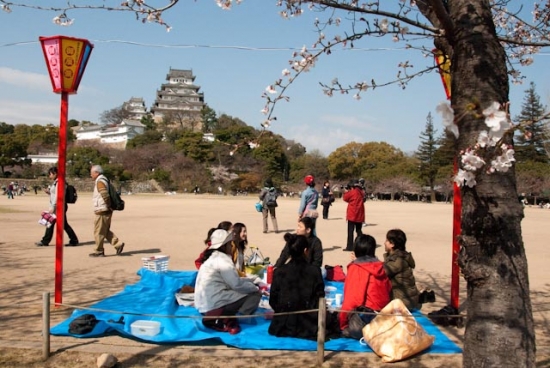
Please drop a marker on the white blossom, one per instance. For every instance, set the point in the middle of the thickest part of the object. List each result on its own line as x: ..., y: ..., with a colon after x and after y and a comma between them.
x: 253, y: 145
x: 270, y: 89
x: 495, y: 118
x: 384, y: 25
x: 471, y: 160
x: 465, y: 177
x: 265, y: 110
x: 357, y: 96
x: 447, y: 113
x: 286, y: 72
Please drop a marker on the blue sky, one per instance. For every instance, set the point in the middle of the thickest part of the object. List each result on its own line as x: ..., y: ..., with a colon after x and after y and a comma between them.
x: 232, y: 80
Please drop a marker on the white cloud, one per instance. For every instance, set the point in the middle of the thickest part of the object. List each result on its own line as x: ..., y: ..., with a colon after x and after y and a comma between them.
x: 30, y: 113
x: 19, y: 78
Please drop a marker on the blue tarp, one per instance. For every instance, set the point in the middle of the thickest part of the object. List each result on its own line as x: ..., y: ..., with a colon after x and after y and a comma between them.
x: 154, y: 294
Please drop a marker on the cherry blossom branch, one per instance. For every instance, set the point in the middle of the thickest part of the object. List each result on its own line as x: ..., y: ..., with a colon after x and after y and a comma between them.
x: 142, y: 10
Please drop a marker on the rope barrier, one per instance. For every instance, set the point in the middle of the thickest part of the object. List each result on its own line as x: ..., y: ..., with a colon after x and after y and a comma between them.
x: 255, y: 315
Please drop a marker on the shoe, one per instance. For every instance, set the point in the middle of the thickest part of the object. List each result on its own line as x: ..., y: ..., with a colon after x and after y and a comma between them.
x: 233, y: 327
x: 40, y: 244
x: 97, y: 254
x: 72, y: 244
x: 119, y: 249
x: 265, y: 232
x: 347, y: 250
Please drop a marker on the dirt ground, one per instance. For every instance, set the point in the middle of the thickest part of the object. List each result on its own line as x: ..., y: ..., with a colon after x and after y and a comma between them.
x: 176, y: 225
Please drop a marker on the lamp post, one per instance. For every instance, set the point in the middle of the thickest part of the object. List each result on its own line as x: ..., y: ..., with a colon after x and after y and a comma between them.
x: 66, y: 59
x: 444, y: 65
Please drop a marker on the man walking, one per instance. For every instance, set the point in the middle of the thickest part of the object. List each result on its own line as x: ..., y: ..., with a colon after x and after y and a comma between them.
x: 52, y: 191
x: 355, y: 213
x: 103, y: 214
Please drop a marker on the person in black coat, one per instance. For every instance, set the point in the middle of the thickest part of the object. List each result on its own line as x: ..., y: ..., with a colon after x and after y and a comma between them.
x: 314, y: 255
x: 297, y: 285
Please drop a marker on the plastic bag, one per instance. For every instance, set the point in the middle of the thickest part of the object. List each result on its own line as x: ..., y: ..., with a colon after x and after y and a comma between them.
x: 394, y: 334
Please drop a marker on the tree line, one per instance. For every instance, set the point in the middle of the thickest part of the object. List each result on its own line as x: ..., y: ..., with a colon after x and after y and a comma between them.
x: 242, y: 157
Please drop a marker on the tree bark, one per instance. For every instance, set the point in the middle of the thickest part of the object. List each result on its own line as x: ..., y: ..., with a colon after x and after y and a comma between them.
x: 499, y: 327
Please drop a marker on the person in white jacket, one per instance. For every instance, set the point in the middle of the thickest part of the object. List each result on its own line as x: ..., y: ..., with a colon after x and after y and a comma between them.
x: 219, y: 291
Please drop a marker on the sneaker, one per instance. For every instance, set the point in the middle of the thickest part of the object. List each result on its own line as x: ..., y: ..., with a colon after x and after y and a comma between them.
x: 347, y: 250
x: 97, y: 254
x: 119, y: 249
x: 40, y: 244
x: 72, y: 244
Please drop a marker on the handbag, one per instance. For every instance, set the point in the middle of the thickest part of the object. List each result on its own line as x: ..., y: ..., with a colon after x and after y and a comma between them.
x: 394, y: 334
x: 358, y: 320
x: 311, y: 212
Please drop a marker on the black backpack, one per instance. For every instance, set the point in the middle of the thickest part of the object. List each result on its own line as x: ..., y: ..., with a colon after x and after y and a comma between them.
x: 83, y: 325
x: 70, y: 194
x: 117, y: 204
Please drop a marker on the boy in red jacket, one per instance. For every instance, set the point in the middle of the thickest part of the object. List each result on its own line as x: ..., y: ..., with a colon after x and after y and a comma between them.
x: 366, y: 283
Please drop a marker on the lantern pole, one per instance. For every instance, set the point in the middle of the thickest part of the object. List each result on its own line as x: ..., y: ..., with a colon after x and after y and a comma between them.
x: 66, y: 59
x: 60, y: 209
x: 444, y: 65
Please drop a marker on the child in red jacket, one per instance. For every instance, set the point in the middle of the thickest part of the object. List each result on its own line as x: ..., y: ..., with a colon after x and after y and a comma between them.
x: 366, y: 283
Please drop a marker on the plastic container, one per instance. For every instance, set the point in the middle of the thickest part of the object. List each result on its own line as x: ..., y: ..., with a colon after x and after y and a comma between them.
x: 145, y: 328
x: 185, y: 299
x: 156, y: 263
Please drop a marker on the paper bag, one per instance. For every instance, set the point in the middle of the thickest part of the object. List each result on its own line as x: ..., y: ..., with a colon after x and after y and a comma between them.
x: 395, y: 335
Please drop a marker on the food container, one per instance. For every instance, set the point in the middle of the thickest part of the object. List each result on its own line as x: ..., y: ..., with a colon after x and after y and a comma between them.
x: 156, y: 263
x: 145, y: 328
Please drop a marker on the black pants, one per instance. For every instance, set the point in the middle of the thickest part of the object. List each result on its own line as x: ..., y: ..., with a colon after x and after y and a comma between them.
x: 326, y: 206
x: 48, y: 235
x: 358, y: 229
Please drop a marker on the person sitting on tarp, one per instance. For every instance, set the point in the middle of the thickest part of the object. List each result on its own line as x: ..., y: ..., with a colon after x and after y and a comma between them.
x: 297, y: 286
x: 305, y: 227
x: 219, y: 291
x: 367, y: 288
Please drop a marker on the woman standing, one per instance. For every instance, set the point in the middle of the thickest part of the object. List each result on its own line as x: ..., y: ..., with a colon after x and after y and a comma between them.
x: 308, y: 201
x: 327, y: 199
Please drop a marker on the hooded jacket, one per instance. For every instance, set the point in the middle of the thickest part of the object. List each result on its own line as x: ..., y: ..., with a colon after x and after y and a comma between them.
x: 399, y: 266
x: 366, y: 285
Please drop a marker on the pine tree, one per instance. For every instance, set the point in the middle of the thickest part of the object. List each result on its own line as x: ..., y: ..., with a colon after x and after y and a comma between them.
x: 426, y: 155
x: 531, y: 142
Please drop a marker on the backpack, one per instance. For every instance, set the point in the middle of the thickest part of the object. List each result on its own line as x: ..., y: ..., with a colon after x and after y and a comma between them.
x: 117, y: 203
x: 70, y: 194
x: 271, y: 198
x: 83, y: 324
x: 335, y: 273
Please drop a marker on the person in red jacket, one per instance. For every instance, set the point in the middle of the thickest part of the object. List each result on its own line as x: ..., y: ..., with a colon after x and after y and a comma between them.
x: 366, y: 285
x: 355, y: 213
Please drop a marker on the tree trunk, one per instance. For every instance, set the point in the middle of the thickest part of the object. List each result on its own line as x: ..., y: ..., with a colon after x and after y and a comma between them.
x: 499, y: 327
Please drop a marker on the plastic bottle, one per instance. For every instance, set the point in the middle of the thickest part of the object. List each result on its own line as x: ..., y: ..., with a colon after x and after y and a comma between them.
x: 269, y: 274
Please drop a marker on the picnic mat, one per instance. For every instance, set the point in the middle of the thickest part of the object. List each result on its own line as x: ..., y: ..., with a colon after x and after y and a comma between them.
x: 153, y: 299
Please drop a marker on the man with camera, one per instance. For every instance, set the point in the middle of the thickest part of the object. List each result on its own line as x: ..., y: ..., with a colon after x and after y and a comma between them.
x: 355, y: 213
